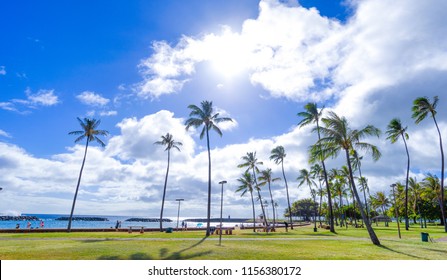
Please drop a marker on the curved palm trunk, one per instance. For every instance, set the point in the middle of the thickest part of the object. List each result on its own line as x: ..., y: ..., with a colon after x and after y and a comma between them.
x: 273, y: 205
x: 77, y: 187
x: 326, y: 181
x: 287, y: 192
x: 407, y: 224
x: 319, y: 211
x: 371, y: 232
x: 164, y: 192
x: 364, y: 194
x: 260, y: 198
x: 442, y: 176
x: 209, y: 184
x: 254, y: 213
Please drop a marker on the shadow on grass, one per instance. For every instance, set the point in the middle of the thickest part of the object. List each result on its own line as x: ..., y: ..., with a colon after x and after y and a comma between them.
x: 164, y: 254
x: 402, y: 253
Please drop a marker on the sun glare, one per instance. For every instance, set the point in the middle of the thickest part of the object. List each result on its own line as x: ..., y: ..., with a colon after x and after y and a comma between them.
x: 228, y: 55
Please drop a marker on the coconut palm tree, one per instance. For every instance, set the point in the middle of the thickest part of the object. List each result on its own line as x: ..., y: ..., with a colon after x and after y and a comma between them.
x: 206, y: 116
x: 433, y: 187
x: 421, y: 108
x: 381, y: 200
x: 396, y: 130
x: 338, y: 136
x: 277, y: 155
x: 89, y: 132
x: 251, y: 162
x: 416, y: 191
x: 309, y: 116
x: 266, y: 178
x: 317, y: 172
x: 168, y: 141
x: 357, y: 165
x: 246, y: 181
x: 305, y: 177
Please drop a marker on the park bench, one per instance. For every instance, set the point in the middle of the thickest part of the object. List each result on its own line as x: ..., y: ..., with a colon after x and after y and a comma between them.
x: 227, y: 231
x: 140, y: 228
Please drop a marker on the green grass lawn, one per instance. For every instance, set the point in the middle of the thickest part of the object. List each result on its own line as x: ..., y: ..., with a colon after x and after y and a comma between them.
x: 300, y: 244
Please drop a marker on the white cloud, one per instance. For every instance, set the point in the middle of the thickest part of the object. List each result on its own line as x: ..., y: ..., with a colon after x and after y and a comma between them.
x: 2, y: 71
x: 108, y: 113
x: 43, y: 98
x: 4, y: 133
x: 92, y: 99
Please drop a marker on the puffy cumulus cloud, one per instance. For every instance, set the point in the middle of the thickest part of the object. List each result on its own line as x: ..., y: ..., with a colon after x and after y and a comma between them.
x: 92, y: 99
x: 285, y: 50
x: 2, y: 71
x: 296, y: 53
x: 127, y: 176
x: 138, y: 136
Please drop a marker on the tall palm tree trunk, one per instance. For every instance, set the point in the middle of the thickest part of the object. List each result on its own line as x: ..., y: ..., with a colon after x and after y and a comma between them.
x: 254, y: 213
x: 77, y: 187
x: 287, y: 192
x: 407, y: 224
x: 164, y: 192
x: 370, y: 230
x: 326, y: 181
x: 260, y: 198
x: 442, y: 177
x: 209, y: 184
x: 273, y: 205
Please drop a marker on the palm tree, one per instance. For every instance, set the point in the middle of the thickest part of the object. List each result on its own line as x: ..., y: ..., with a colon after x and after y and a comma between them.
x: 305, y: 177
x: 266, y: 178
x: 364, y: 188
x: 433, y: 187
x: 337, y: 137
x: 313, y: 115
x: 246, y: 181
x: 277, y: 155
x: 317, y: 172
x: 395, y: 131
x: 421, y: 108
x: 416, y: 191
x: 168, y: 141
x: 90, y: 132
x: 206, y: 117
x: 382, y: 201
x: 357, y: 164
x: 251, y: 162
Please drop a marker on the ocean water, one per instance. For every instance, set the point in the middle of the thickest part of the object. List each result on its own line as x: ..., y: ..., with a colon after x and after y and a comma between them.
x: 50, y: 221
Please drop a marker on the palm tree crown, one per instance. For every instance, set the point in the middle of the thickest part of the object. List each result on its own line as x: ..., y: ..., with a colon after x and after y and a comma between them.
x: 89, y: 130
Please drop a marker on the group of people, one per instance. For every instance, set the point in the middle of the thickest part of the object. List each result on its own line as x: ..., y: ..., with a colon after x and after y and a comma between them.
x: 28, y: 225
x: 184, y: 225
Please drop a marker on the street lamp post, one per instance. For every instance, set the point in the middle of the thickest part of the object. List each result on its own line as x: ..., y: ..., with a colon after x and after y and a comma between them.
x: 221, y: 207
x: 396, y: 209
x: 178, y: 212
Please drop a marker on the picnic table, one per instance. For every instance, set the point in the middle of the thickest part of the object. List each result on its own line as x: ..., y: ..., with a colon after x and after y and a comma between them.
x: 140, y: 228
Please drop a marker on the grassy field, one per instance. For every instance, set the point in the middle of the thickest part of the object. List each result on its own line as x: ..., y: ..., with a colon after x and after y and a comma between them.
x: 300, y: 244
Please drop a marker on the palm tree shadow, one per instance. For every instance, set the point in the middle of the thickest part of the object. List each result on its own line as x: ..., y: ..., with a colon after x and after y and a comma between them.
x: 164, y: 253
x: 402, y: 253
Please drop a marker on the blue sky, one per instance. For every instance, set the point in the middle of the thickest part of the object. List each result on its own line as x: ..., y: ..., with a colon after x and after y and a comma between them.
x: 138, y: 65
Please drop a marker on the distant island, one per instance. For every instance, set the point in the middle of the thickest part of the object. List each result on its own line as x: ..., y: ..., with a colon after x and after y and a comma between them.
x: 89, y: 219
x: 19, y: 218
x: 150, y: 220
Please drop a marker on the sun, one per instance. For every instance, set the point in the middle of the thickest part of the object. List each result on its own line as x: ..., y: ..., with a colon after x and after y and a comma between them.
x: 228, y: 54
